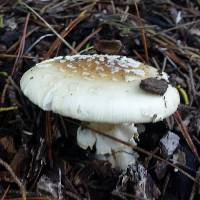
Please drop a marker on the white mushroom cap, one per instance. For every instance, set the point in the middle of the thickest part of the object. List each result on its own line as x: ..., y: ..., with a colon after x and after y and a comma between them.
x: 98, y: 88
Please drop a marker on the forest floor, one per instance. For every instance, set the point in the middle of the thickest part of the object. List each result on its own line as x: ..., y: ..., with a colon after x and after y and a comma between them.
x: 39, y: 156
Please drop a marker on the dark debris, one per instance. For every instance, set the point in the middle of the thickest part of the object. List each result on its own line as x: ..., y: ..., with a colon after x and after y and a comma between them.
x: 155, y: 86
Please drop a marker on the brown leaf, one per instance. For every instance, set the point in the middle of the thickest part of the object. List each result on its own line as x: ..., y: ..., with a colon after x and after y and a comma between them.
x: 109, y: 46
x: 154, y: 86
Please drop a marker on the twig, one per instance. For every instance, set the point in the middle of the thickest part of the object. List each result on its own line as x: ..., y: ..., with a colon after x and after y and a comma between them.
x: 72, y: 195
x: 164, y: 64
x: 14, y: 46
x: 138, y: 56
x: 177, y: 27
x: 156, y: 63
x: 19, y: 54
x: 186, y: 135
x: 14, y: 56
x: 49, y: 26
x: 86, y: 49
x: 192, y: 81
x: 66, y: 31
x: 16, y: 179
x: 113, y: 7
x: 21, y: 46
x: 5, y: 193
x: 194, y: 188
x: 143, y: 35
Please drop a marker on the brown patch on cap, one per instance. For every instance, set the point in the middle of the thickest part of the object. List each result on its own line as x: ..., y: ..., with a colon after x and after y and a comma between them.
x: 114, y: 68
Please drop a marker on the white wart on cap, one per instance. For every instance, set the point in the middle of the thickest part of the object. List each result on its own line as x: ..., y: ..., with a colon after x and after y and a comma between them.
x: 98, y: 88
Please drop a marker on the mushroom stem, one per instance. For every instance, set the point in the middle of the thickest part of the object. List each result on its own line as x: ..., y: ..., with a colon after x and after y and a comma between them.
x: 118, y: 154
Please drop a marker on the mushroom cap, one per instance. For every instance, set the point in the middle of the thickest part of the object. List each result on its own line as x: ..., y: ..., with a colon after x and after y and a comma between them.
x: 98, y: 88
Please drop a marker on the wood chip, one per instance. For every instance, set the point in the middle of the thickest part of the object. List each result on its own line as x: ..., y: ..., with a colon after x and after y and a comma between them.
x: 154, y: 86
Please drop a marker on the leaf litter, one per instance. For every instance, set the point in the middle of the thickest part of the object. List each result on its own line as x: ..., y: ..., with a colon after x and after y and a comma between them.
x: 39, y: 151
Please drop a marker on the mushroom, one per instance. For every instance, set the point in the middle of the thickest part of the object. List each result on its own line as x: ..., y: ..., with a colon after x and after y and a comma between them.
x: 106, y: 92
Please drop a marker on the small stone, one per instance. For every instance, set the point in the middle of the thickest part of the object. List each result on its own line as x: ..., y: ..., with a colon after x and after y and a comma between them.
x: 169, y: 143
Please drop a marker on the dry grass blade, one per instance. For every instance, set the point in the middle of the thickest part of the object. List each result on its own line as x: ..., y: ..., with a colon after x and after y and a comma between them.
x: 21, y: 46
x: 5, y: 193
x: 172, y: 55
x: 5, y: 109
x: 66, y: 31
x: 138, y: 56
x: 185, y: 134
x: 170, y: 43
x: 19, y: 55
x: 49, y: 26
x: 177, y: 27
x: 15, y: 56
x: 143, y: 35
